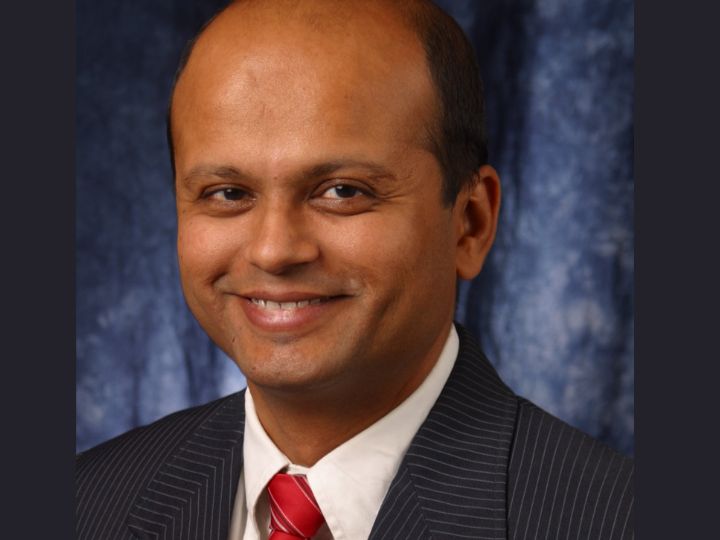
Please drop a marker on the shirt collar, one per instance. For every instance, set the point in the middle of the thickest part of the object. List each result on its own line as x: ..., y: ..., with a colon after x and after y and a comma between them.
x: 351, y: 481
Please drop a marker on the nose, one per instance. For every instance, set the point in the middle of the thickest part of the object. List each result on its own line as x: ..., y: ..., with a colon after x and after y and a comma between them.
x: 282, y: 239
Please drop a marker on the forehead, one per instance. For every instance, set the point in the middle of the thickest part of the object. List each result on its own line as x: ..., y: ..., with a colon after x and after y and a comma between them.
x: 351, y: 67
x: 372, y: 31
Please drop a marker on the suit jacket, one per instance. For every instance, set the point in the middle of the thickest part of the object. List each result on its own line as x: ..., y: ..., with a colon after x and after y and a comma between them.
x: 484, y: 464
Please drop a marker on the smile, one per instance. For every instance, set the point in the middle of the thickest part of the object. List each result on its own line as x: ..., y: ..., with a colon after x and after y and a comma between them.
x: 270, y: 305
x: 289, y: 313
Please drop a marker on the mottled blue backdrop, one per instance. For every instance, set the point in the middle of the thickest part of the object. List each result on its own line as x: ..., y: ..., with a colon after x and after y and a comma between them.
x: 554, y: 304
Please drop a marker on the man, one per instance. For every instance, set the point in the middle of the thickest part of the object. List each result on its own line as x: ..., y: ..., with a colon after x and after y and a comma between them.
x: 332, y: 183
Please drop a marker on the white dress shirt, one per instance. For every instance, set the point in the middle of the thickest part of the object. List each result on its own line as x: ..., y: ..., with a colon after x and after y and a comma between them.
x: 351, y: 481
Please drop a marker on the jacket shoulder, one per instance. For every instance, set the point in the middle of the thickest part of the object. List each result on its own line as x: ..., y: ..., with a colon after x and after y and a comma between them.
x: 109, y: 476
x: 561, y: 479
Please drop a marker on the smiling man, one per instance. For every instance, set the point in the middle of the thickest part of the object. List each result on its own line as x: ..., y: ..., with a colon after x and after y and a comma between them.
x: 331, y: 186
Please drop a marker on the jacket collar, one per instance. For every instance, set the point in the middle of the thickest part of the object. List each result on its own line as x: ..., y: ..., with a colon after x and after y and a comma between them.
x: 192, y: 494
x: 452, y: 481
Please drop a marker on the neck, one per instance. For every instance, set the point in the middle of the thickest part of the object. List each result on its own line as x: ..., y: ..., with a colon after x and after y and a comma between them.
x: 305, y: 426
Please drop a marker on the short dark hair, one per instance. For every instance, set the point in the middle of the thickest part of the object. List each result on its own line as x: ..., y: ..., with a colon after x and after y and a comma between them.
x: 458, y: 139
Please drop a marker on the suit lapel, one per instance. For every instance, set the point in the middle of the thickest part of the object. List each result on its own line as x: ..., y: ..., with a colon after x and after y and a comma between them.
x: 452, y: 480
x: 192, y: 494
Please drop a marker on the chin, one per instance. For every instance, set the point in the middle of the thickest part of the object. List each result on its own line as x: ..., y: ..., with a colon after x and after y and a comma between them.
x: 287, y: 368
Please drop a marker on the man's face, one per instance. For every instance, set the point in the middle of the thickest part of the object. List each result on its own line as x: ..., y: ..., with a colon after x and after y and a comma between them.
x: 313, y: 245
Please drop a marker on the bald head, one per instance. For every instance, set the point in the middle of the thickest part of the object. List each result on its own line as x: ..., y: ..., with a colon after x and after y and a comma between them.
x: 408, y: 47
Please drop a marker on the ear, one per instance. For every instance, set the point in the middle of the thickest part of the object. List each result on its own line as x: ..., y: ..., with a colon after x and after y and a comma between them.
x: 476, y: 212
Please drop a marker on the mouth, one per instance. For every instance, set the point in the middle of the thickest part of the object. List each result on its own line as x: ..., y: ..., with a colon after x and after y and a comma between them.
x: 288, y: 305
x: 289, y: 312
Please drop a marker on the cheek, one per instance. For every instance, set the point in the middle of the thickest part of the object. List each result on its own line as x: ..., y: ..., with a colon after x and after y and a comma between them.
x: 204, y: 250
x: 392, y: 250
x: 428, y: 253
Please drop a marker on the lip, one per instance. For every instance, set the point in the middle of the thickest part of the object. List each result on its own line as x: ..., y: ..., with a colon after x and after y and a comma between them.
x: 280, y: 297
x: 265, y: 310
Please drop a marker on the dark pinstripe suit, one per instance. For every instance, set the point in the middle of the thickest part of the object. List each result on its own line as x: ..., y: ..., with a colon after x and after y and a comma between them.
x: 484, y: 464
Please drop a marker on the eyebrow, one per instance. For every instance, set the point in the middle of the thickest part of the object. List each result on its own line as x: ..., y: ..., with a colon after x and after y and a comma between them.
x: 374, y: 170
x: 323, y: 169
x: 230, y: 173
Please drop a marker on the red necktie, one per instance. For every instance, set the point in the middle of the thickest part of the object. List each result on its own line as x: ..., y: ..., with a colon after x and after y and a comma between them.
x: 294, y: 512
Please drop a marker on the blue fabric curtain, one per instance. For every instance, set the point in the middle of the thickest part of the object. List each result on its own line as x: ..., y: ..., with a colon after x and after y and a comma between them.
x: 553, y: 306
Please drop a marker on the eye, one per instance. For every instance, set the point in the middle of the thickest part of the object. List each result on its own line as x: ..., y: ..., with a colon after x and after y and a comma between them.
x: 341, y: 191
x: 345, y: 199
x: 227, y: 194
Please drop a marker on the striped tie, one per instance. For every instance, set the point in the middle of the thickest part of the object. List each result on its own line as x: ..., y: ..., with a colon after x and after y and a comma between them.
x: 294, y: 512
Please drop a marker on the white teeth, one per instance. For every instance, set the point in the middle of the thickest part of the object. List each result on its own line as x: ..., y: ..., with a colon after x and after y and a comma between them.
x: 269, y: 304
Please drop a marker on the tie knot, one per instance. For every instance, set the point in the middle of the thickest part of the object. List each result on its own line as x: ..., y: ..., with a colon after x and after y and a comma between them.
x: 294, y: 512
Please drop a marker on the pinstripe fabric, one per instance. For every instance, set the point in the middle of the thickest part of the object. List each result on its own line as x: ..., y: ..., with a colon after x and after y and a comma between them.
x: 485, y: 464
x: 175, y: 478
x: 564, y: 484
x: 452, y: 481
